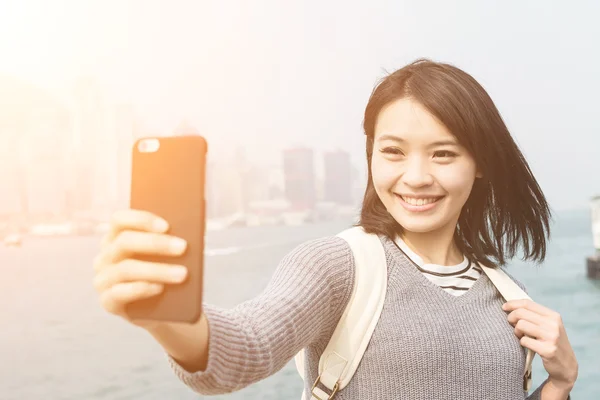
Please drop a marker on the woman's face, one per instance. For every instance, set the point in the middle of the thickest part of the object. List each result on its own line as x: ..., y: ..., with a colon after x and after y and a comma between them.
x: 420, y: 172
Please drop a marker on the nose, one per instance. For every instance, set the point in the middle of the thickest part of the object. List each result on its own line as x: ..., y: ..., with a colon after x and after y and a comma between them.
x: 417, y: 174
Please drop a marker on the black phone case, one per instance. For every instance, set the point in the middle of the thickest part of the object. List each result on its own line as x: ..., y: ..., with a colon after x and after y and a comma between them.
x: 169, y: 182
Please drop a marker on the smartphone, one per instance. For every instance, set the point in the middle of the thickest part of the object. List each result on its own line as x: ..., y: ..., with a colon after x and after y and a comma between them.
x: 168, y: 179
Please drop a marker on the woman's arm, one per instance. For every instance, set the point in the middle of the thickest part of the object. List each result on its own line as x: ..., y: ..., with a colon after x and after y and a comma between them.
x: 186, y: 343
x: 235, y: 348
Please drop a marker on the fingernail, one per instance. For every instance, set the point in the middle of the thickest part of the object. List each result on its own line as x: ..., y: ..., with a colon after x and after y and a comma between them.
x: 178, y: 245
x: 160, y: 225
x: 504, y: 306
x: 178, y: 272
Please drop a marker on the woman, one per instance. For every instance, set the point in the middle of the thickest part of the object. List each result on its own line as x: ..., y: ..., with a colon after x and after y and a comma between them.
x: 448, y: 188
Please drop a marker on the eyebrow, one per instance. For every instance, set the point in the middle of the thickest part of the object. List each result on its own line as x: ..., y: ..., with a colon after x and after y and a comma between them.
x: 400, y: 140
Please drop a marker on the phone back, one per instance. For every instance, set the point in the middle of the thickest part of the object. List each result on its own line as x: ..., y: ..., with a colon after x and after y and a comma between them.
x: 168, y: 179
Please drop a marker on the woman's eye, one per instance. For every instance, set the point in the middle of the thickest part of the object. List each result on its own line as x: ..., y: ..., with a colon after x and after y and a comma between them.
x: 392, y: 150
x: 445, y: 154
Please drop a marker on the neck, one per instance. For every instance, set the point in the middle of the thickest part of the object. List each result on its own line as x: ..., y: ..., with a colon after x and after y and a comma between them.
x: 434, y: 247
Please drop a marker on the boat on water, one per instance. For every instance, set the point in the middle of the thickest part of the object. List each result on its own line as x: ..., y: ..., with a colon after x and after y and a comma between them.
x: 593, y: 262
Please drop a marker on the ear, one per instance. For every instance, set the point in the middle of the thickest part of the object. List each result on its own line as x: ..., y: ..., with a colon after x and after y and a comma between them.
x: 479, y: 174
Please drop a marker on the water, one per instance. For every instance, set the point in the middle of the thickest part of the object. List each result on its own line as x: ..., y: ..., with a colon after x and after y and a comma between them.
x: 57, y: 343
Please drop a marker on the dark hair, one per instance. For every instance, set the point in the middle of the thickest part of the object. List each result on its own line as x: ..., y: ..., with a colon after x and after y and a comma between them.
x: 506, y: 208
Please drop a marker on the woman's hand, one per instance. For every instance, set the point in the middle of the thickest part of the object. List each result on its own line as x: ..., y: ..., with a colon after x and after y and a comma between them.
x: 119, y: 278
x: 541, y: 330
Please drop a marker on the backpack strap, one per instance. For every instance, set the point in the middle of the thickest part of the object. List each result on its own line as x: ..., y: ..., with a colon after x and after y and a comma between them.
x: 511, y: 291
x: 341, y: 357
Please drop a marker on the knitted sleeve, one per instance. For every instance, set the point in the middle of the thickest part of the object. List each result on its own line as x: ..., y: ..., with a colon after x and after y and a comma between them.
x: 304, y: 300
x: 537, y: 394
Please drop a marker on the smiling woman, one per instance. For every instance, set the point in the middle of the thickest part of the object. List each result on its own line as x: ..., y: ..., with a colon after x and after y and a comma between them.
x: 442, y: 162
x: 448, y: 193
x: 423, y: 175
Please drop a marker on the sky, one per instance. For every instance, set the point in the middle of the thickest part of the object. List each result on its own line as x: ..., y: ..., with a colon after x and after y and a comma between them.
x: 264, y: 75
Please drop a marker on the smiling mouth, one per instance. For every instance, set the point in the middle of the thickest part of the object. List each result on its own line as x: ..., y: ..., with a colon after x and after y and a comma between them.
x: 420, y: 201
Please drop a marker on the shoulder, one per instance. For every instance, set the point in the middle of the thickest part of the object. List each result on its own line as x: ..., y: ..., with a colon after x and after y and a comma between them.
x: 322, y: 265
x: 325, y: 257
x: 325, y: 249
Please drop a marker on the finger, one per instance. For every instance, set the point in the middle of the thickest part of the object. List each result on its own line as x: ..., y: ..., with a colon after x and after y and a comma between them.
x: 135, y: 270
x: 118, y: 296
x: 543, y: 349
x: 525, y: 314
x: 128, y: 243
x: 98, y: 262
x: 106, y: 239
x: 527, y: 328
x: 129, y: 219
x: 529, y: 305
x: 518, y: 332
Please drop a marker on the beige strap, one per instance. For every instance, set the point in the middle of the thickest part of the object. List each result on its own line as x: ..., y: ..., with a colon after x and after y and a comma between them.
x: 343, y: 353
x: 340, y: 359
x: 511, y: 291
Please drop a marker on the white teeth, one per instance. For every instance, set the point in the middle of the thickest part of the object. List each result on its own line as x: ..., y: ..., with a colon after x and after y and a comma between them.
x: 419, y: 202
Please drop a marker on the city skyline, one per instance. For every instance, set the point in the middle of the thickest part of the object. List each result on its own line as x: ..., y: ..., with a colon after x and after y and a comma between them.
x: 256, y: 76
x: 74, y: 161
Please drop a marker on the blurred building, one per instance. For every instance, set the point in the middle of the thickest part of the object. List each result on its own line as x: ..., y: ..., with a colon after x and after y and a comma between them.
x: 275, y: 182
x: 232, y: 185
x: 223, y: 190
x: 46, y: 169
x: 13, y: 196
x: 34, y: 134
x: 123, y: 127
x: 359, y: 184
x: 91, y: 144
x: 338, y: 184
x: 255, y: 180
x: 300, y: 180
x: 256, y: 184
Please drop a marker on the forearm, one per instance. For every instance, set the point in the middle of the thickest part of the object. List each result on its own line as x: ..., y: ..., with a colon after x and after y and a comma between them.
x: 185, y: 343
x: 553, y: 391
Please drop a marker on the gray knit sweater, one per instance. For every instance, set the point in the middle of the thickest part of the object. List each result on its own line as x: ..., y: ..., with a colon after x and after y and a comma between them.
x: 427, y: 345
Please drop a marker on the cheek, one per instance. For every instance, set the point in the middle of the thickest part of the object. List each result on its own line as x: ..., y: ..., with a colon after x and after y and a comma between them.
x: 458, y: 180
x: 385, y: 173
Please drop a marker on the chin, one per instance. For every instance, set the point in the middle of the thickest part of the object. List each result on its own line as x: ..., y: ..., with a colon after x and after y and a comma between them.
x: 417, y: 226
x: 418, y: 223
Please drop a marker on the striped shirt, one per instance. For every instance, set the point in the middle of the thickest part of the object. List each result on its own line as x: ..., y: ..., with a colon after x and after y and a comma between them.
x: 454, y: 279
